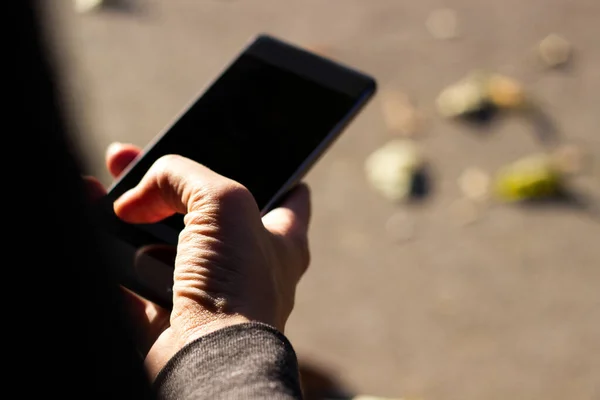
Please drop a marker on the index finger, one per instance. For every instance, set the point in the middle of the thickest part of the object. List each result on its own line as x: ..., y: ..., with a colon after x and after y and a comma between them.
x: 174, y: 184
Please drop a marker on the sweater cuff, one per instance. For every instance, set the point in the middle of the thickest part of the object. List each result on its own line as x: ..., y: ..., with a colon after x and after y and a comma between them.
x: 249, y: 360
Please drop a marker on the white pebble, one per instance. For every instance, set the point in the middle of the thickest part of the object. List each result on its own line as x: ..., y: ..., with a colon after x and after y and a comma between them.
x: 391, y: 168
x: 464, y: 97
x: 555, y: 50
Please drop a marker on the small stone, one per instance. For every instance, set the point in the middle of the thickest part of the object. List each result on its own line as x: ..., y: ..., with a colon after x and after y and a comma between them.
x: 443, y: 24
x: 400, y: 226
x: 555, y: 51
x: 474, y: 184
x: 479, y: 91
x: 532, y: 177
x: 392, y: 168
x: 399, y: 113
x: 464, y: 211
x: 505, y: 92
x: 464, y: 97
x: 85, y: 6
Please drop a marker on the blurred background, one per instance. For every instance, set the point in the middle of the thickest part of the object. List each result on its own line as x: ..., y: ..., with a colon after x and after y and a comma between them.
x: 456, y: 294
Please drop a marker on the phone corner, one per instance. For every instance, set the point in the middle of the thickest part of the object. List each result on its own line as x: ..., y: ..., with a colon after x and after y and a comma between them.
x: 262, y: 37
x: 372, y: 85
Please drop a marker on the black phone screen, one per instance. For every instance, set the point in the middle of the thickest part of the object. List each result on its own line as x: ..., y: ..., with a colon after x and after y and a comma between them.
x: 256, y: 124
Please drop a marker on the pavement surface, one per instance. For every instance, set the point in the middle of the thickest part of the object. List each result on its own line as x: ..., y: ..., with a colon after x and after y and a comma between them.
x: 506, y: 307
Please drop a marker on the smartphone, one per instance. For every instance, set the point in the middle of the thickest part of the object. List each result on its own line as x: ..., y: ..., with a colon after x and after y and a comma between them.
x: 268, y: 117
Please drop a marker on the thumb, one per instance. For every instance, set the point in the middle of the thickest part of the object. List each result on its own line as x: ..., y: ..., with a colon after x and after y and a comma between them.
x: 174, y: 184
x: 292, y: 217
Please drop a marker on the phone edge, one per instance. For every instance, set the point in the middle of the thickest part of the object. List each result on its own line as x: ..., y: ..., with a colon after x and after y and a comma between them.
x: 320, y: 150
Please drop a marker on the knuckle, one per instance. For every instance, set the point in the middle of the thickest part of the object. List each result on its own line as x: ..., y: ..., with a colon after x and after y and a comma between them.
x: 230, y: 194
x: 164, y: 162
x: 222, y: 197
x: 162, y: 168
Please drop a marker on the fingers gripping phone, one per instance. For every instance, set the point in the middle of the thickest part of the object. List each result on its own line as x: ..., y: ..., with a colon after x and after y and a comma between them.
x: 263, y: 123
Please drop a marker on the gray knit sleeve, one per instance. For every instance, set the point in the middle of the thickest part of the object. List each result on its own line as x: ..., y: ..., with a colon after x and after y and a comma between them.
x: 245, y: 361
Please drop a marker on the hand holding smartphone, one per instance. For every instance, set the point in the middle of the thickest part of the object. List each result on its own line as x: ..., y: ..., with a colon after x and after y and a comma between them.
x: 263, y: 123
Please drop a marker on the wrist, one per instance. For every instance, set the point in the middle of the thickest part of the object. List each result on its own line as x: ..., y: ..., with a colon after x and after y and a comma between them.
x: 172, y: 340
x: 209, y: 327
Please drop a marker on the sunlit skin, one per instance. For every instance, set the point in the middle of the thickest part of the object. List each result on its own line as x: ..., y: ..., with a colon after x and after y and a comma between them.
x: 232, y: 266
